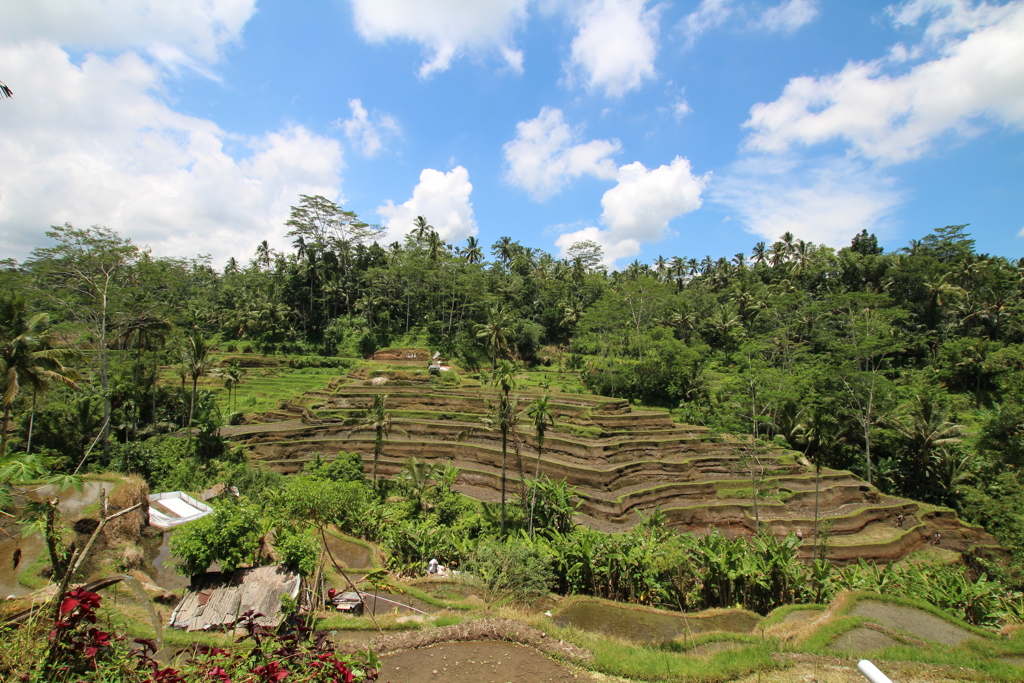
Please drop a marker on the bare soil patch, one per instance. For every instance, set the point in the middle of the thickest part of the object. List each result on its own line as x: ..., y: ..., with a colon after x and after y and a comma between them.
x: 861, y: 640
x: 505, y: 630
x: 650, y: 625
x: 914, y: 621
x: 474, y: 662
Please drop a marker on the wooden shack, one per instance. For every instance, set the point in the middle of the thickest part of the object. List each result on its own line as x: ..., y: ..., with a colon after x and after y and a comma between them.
x: 216, y: 600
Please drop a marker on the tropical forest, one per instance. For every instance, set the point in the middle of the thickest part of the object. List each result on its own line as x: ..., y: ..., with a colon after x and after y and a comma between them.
x: 349, y: 460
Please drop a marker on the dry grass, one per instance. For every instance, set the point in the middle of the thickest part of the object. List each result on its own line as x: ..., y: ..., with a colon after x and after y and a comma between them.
x: 127, y: 529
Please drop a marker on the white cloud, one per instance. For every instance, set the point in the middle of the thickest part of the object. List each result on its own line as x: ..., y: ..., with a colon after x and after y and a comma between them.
x: 448, y: 29
x: 680, y: 108
x: 644, y: 201
x: 638, y: 209
x: 615, y: 47
x: 89, y: 144
x: 788, y: 16
x: 949, y: 18
x: 547, y: 153
x: 613, y: 249
x: 896, y: 118
x: 442, y: 198
x: 365, y: 134
x: 826, y: 201
x: 710, y: 14
x: 174, y: 32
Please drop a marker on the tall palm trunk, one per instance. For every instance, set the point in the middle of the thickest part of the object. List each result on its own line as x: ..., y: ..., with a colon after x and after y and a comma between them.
x: 536, y: 478
x: 377, y: 443
x: 3, y: 431
x: 191, y: 414
x: 504, y: 454
x: 817, y: 485
x: 31, y: 422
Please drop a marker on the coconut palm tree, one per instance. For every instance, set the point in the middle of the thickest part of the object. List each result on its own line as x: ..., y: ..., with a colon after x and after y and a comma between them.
x: 379, y: 420
x: 26, y: 359
x: 495, y: 331
x: 195, y: 363
x: 421, y: 229
x: 473, y: 253
x: 820, y: 433
x: 542, y: 415
x: 503, y: 417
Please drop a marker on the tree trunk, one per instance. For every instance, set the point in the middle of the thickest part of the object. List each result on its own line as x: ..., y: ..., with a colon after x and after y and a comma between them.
x: 3, y: 431
x: 31, y: 422
x: 191, y: 413
x: 536, y: 479
x: 504, y: 453
x: 817, y: 484
x: 105, y: 374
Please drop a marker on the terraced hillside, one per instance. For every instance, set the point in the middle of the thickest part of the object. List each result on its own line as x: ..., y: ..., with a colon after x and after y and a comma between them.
x: 623, y: 461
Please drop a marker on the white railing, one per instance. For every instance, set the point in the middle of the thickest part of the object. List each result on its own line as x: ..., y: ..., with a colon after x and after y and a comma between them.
x: 871, y: 672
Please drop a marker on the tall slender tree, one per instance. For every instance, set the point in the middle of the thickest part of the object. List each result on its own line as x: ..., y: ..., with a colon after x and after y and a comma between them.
x: 27, y: 359
x: 542, y: 416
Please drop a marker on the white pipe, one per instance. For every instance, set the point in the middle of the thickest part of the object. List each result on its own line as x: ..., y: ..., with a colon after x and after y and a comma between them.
x: 871, y: 672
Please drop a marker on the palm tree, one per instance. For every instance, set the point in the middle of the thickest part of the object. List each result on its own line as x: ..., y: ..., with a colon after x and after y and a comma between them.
x: 380, y: 421
x: 232, y: 376
x: 26, y: 359
x: 760, y: 253
x: 542, y: 415
x: 5, y: 91
x: 820, y: 435
x: 504, y: 417
x: 420, y: 228
x: 495, y: 331
x: 473, y: 253
x: 195, y: 363
x: 924, y: 428
x: 504, y: 377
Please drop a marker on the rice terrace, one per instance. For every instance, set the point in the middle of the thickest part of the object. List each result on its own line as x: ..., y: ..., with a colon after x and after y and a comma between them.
x: 547, y: 341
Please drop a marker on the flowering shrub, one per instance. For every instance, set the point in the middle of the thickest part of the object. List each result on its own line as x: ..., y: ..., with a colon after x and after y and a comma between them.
x: 79, y: 651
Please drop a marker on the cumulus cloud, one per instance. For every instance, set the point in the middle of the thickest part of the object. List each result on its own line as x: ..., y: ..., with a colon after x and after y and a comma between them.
x: 89, y: 143
x: 365, y: 134
x: 710, y: 14
x: 174, y: 32
x: 680, y: 108
x: 639, y: 208
x: 788, y: 16
x: 442, y: 198
x: 615, y: 46
x: 896, y: 118
x: 447, y: 29
x: 826, y: 201
x: 547, y: 154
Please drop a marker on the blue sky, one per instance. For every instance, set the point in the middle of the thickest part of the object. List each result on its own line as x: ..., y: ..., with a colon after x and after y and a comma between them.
x: 673, y: 128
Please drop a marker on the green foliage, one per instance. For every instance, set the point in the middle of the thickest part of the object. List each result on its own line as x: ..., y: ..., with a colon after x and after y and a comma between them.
x: 299, y: 550
x: 511, y: 569
x: 229, y: 535
x: 345, y: 467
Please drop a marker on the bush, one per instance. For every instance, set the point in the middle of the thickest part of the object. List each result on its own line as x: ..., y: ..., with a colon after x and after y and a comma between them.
x: 512, y: 569
x: 299, y: 550
x: 345, y: 467
x: 230, y: 536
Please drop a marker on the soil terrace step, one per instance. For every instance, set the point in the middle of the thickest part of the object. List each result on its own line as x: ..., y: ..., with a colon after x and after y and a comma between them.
x: 625, y: 463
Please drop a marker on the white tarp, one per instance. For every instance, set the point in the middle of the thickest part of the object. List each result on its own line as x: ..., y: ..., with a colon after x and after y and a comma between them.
x: 172, y: 509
